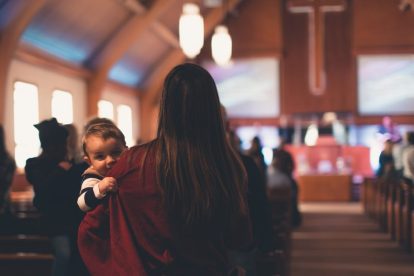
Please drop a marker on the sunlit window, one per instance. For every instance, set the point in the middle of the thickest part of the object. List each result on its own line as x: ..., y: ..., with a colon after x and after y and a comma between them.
x: 62, y: 107
x: 105, y: 109
x: 26, y: 114
x: 125, y: 123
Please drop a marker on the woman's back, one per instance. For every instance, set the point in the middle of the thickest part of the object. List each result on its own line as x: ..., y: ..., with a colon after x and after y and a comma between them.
x: 147, y: 241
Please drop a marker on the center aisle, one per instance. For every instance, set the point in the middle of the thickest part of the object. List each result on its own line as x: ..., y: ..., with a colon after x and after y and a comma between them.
x: 338, y: 239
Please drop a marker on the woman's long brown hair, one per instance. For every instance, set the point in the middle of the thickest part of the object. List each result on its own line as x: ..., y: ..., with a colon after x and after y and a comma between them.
x: 201, y: 176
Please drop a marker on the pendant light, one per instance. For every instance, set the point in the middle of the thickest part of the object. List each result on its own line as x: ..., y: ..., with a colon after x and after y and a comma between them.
x: 221, y: 44
x: 191, y: 30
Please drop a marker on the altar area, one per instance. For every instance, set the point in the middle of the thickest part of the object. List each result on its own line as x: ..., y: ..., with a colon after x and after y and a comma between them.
x: 325, y: 172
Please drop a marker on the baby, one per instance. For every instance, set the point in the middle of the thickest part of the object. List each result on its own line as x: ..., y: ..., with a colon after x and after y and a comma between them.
x: 103, y: 144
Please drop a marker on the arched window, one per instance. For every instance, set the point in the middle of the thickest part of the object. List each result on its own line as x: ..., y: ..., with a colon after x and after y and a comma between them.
x: 105, y: 109
x: 62, y: 106
x: 125, y: 122
x: 26, y: 114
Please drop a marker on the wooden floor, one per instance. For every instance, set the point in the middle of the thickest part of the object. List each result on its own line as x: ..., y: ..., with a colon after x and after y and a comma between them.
x: 338, y: 239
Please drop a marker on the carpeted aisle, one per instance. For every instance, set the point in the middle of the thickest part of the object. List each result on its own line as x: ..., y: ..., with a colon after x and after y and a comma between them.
x: 338, y: 239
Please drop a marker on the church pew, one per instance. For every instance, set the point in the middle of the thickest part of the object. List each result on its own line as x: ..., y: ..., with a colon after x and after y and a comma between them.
x: 11, y: 225
x: 412, y: 218
x: 398, y: 213
x: 390, y: 209
x: 22, y: 218
x: 271, y: 264
x: 25, y: 244
x: 280, y: 204
x: 24, y: 209
x: 405, y: 240
x: 25, y: 264
x: 382, y: 197
x: 374, y: 199
x: 369, y: 196
x: 25, y: 249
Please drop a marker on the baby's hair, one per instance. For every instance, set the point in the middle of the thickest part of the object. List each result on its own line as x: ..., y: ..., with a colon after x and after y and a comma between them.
x: 97, y: 120
x: 104, y: 131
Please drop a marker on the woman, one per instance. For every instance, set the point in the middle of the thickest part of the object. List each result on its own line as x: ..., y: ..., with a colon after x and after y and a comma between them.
x: 181, y: 199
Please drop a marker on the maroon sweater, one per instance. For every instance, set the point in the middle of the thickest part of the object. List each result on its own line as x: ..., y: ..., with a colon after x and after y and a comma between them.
x: 130, y: 233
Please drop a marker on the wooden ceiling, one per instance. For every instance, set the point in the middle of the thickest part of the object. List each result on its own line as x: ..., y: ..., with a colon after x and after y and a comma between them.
x: 129, y: 42
x: 134, y: 43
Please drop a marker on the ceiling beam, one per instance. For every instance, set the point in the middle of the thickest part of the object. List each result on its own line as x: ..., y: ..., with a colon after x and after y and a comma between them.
x: 160, y: 29
x: 9, y: 40
x: 116, y: 48
x: 32, y: 55
x: 164, y: 33
x: 153, y: 84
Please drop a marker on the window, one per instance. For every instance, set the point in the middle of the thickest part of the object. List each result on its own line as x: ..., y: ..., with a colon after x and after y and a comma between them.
x: 123, y: 118
x: 125, y: 123
x: 26, y: 114
x: 62, y: 107
x: 105, y: 109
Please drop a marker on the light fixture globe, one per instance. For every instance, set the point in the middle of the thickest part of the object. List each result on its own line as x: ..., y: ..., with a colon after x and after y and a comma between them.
x: 191, y: 30
x: 221, y: 45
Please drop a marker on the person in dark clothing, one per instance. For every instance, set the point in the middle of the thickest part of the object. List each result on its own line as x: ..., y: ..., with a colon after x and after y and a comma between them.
x: 386, y: 159
x: 7, y: 169
x: 259, y: 209
x: 283, y: 162
x: 56, y: 184
x: 258, y: 206
x: 256, y: 153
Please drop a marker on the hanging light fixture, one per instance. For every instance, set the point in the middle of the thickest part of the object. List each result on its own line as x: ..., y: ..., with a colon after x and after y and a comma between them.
x: 191, y: 30
x: 221, y: 44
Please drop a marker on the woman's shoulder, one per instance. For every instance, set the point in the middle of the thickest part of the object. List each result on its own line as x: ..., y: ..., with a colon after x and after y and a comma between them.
x: 140, y: 149
x: 132, y: 158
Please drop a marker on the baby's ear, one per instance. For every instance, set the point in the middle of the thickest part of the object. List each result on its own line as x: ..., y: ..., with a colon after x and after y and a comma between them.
x: 86, y: 158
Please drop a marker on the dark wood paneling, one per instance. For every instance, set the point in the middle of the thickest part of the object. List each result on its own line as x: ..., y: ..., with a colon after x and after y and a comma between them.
x: 380, y: 26
x: 255, y: 29
x: 376, y: 120
x: 340, y: 94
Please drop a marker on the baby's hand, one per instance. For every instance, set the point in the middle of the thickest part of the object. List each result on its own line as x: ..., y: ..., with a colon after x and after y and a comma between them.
x: 108, y: 184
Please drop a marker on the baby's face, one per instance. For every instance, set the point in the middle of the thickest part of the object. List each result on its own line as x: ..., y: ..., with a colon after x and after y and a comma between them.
x: 103, y: 154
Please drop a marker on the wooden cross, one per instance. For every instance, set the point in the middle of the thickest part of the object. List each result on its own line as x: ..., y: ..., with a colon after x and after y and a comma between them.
x: 316, y: 10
